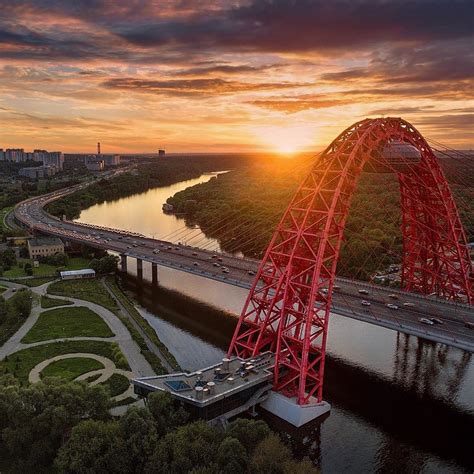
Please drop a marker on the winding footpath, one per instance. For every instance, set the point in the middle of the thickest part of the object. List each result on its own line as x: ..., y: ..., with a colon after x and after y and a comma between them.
x: 138, y: 364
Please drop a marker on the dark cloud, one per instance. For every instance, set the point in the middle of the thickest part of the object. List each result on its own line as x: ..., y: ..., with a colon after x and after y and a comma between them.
x: 256, y: 26
x: 222, y: 69
x: 435, y: 62
x: 193, y: 87
x: 286, y: 25
x: 450, y: 121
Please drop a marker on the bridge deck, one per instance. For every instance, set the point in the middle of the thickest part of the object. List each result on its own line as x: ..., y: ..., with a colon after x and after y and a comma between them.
x: 346, y: 299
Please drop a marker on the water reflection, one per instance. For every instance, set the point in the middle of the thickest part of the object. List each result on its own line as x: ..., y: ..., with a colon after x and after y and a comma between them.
x: 143, y: 213
x: 400, y: 404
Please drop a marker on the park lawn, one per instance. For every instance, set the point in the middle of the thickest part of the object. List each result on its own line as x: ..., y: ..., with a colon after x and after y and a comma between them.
x: 67, y: 322
x: 33, y: 281
x: 89, y: 290
x: 3, y: 214
x: 76, y: 263
x: 47, y: 302
x: 69, y: 369
x: 2, y: 289
x: 20, y: 363
x: 116, y: 384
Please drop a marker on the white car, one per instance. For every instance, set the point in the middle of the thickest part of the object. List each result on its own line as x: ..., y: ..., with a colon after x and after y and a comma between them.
x: 364, y: 303
x: 426, y: 321
x: 410, y: 305
x: 392, y: 306
x: 363, y: 292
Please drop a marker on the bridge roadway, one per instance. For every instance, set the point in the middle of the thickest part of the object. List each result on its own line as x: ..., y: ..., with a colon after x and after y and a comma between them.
x: 346, y: 298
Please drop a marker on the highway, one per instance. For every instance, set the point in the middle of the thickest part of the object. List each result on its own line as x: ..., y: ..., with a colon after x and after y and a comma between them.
x: 347, y: 297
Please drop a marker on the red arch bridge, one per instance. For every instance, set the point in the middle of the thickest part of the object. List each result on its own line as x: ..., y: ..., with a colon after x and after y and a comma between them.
x: 294, y: 288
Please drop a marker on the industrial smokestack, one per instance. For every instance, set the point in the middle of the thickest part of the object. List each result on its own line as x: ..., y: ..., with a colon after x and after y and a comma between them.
x: 98, y: 148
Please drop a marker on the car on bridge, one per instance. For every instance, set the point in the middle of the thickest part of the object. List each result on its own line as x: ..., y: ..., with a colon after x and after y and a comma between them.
x: 426, y: 321
x: 392, y: 306
x: 365, y: 303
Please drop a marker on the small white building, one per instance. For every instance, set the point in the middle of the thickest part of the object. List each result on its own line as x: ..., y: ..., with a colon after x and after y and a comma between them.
x: 77, y: 274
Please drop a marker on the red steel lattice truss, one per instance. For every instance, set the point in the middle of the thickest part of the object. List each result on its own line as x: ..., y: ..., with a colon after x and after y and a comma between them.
x: 286, y: 311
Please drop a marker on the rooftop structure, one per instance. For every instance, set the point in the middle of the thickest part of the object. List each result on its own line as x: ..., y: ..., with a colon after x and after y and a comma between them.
x: 45, y: 247
x: 77, y: 274
x: 221, y: 390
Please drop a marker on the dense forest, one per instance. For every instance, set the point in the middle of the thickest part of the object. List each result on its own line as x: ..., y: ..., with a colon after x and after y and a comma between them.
x: 65, y: 427
x: 242, y: 208
x: 159, y: 172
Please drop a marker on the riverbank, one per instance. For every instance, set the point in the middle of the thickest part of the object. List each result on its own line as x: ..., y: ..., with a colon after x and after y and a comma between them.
x: 241, y: 210
x: 160, y: 172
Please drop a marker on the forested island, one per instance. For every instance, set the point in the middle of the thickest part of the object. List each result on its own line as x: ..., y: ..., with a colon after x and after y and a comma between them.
x: 242, y: 208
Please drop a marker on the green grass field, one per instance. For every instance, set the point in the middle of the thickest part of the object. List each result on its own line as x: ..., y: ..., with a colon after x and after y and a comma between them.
x: 20, y: 363
x: 89, y: 290
x: 117, y: 384
x: 3, y: 214
x: 2, y: 289
x: 67, y: 322
x: 47, y: 302
x: 76, y: 263
x: 144, y: 324
x: 34, y: 281
x: 69, y: 369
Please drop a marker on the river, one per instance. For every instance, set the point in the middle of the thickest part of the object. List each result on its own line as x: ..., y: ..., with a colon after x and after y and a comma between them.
x: 399, y: 403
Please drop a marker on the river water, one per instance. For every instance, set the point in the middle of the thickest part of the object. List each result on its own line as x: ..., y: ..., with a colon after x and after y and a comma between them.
x: 399, y: 403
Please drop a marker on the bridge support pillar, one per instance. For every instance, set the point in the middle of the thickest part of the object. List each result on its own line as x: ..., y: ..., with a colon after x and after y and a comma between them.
x: 140, y: 269
x: 288, y: 409
x: 123, y: 263
x: 154, y: 274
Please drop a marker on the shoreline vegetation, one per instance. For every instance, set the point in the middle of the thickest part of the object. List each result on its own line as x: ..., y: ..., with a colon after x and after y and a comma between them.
x: 242, y: 208
x: 160, y: 172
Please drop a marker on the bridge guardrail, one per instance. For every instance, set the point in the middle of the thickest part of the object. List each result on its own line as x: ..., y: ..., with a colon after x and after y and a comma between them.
x: 403, y: 293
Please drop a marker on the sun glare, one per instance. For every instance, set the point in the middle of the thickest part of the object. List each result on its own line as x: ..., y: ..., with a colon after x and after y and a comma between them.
x: 287, y: 140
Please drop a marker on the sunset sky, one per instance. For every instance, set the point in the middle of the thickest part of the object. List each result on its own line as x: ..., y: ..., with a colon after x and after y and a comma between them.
x: 193, y: 75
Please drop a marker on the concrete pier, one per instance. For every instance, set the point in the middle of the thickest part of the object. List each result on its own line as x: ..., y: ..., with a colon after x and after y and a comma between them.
x: 140, y: 269
x: 154, y: 274
x: 123, y: 263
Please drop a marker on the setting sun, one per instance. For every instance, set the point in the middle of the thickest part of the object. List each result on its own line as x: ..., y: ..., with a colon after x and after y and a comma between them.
x: 287, y: 139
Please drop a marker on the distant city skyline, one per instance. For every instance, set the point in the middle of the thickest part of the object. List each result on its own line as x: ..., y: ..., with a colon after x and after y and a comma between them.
x: 224, y: 76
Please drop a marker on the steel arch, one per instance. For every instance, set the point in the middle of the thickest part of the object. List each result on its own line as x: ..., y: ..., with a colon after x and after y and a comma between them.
x: 287, y: 311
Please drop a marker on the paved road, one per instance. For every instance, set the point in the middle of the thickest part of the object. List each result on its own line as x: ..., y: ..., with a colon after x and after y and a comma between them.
x: 347, y: 298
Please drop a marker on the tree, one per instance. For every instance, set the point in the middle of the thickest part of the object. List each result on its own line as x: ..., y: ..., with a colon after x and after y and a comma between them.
x: 94, y: 446
x: 249, y: 432
x: 28, y: 269
x: 7, y: 259
x: 138, y: 430
x: 106, y: 264
x: 231, y: 457
x: 189, y: 447
x: 166, y: 415
x: 271, y: 456
x: 3, y: 310
x: 39, y: 416
x: 19, y: 305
